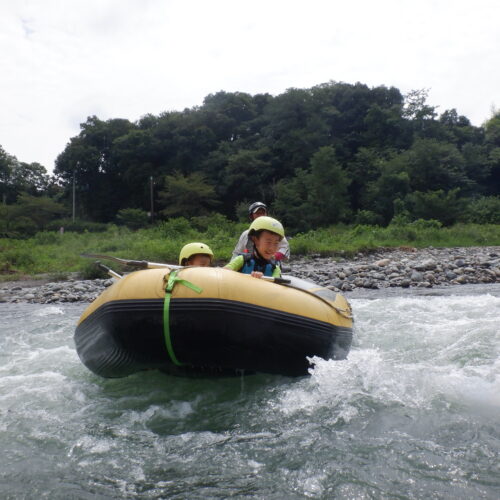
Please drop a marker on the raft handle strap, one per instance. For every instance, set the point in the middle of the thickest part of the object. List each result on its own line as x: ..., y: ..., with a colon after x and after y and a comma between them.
x: 173, y: 279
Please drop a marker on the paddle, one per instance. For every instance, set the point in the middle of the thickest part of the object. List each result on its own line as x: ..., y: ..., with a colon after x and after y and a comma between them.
x: 110, y: 271
x: 144, y: 264
x: 139, y: 264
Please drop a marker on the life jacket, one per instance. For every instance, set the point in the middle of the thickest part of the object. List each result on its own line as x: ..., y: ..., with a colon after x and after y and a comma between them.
x: 251, y: 263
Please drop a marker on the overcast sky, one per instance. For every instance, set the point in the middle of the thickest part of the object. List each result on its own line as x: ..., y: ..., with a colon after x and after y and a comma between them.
x: 64, y: 60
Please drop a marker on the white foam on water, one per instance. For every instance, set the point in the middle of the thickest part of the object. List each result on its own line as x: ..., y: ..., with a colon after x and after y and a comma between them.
x: 173, y: 410
x: 49, y: 311
x: 26, y: 361
x: 412, y: 352
x: 477, y: 386
x: 312, y: 484
x: 92, y: 445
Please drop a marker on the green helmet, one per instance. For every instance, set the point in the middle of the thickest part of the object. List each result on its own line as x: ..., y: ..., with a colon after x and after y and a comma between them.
x: 191, y: 249
x: 266, y: 223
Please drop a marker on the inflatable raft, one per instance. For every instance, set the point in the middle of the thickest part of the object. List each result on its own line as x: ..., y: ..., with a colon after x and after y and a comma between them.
x: 205, y: 320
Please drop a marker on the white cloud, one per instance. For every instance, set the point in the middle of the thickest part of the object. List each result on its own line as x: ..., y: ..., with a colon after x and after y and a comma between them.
x: 63, y: 61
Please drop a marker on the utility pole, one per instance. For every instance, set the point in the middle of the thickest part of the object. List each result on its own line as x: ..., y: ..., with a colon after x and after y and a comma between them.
x: 152, y: 199
x: 77, y: 166
x: 74, y: 185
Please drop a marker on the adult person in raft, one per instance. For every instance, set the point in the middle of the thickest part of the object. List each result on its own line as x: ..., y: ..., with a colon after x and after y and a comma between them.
x: 266, y: 234
x: 196, y: 254
x: 245, y: 244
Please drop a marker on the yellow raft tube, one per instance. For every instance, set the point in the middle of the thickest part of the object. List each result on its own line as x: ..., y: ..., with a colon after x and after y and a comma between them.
x: 206, y: 320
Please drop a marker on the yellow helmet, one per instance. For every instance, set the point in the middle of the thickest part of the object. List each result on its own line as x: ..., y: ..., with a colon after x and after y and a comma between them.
x: 267, y: 224
x: 191, y: 249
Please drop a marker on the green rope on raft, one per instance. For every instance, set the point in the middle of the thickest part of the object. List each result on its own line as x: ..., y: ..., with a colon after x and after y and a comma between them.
x: 173, y: 279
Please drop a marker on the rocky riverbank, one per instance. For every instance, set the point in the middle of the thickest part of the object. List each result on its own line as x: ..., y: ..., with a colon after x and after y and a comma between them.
x: 402, y: 267
x: 73, y: 290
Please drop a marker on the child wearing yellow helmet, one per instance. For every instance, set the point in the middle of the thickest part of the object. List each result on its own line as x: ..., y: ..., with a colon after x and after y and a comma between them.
x: 245, y: 244
x: 266, y: 234
x: 196, y: 254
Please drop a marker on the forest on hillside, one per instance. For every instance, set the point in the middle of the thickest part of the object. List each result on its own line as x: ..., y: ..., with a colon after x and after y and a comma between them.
x: 333, y: 153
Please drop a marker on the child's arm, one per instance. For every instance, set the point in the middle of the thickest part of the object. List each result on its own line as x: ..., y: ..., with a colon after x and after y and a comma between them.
x: 283, y: 252
x: 235, y: 264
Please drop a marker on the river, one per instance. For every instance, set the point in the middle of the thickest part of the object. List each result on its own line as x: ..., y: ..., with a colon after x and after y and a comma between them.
x: 412, y: 414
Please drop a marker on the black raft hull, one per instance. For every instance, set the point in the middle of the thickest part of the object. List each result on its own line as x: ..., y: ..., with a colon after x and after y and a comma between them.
x: 212, y: 332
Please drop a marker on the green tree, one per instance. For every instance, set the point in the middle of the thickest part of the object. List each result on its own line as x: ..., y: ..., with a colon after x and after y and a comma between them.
x: 364, y: 169
x: 187, y: 195
x: 248, y: 147
x: 492, y: 130
x: 28, y: 215
x: 41, y: 209
x: 392, y: 184
x: 248, y: 174
x: 477, y: 167
x: 89, y: 159
x: 416, y: 107
x: 134, y: 218
x: 484, y: 210
x: 13, y: 224
x: 328, y: 186
x: 7, y: 162
x: 31, y: 178
x: 445, y: 207
x: 226, y: 113
x: 291, y: 130
x: 432, y: 164
x: 317, y: 197
x: 459, y: 129
x: 292, y: 202
x: 492, y: 140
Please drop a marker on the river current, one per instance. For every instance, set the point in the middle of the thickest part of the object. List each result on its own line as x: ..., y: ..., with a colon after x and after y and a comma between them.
x: 413, y: 413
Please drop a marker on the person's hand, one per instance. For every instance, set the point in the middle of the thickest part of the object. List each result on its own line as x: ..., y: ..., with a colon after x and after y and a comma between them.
x: 279, y: 256
x: 257, y: 274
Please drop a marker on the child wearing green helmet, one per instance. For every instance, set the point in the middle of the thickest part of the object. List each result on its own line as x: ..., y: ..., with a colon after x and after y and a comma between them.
x: 266, y: 234
x: 196, y: 254
x: 245, y: 244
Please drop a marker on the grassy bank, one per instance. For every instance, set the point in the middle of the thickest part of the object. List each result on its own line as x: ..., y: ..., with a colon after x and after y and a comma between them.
x: 56, y: 254
x: 349, y: 240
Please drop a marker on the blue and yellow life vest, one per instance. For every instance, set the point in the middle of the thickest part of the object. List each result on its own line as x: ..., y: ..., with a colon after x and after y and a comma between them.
x: 251, y: 263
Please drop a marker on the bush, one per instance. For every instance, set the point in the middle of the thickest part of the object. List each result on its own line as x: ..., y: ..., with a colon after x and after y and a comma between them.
x: 211, y: 223
x: 173, y: 228
x: 368, y: 217
x: 77, y: 226
x: 21, y: 258
x: 427, y: 224
x: 91, y: 271
x: 46, y: 238
x: 400, y: 219
x: 20, y: 227
x: 485, y: 210
x: 445, y: 206
x: 241, y: 211
x: 133, y: 218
